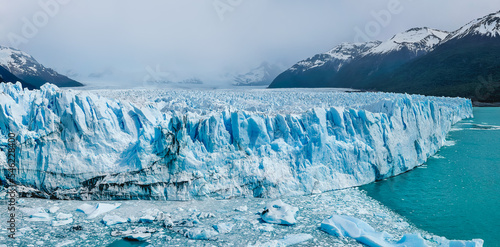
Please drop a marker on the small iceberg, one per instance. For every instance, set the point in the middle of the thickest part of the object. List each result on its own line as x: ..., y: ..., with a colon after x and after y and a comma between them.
x: 110, y: 220
x: 62, y: 219
x: 137, y: 234
x: 53, y: 209
x: 288, y: 240
x: 292, y: 239
x: 201, y: 234
x: 443, y: 242
x: 62, y: 222
x: 39, y: 217
x: 223, y: 227
x: 278, y: 212
x: 347, y: 226
x: 98, y: 209
x: 63, y: 216
x: 241, y: 209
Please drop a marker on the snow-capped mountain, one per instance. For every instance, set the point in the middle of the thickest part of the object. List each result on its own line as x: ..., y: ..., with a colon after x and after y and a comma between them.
x: 464, y: 64
x: 348, y: 65
x: 260, y: 76
x: 488, y: 26
x: 461, y: 63
x: 25, y: 67
x: 6, y: 76
x: 417, y: 40
x: 335, y: 57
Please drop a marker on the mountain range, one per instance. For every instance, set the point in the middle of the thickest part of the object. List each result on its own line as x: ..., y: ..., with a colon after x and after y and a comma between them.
x: 16, y: 65
x: 426, y: 61
x: 260, y: 76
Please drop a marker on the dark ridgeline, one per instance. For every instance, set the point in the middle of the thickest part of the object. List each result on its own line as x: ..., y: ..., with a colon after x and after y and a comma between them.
x: 25, y: 69
x: 466, y: 63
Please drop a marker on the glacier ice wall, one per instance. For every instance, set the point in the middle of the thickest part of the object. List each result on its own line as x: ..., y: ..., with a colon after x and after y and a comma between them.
x: 222, y: 144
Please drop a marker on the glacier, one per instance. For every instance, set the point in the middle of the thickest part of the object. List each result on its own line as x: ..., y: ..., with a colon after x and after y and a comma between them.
x: 195, y: 144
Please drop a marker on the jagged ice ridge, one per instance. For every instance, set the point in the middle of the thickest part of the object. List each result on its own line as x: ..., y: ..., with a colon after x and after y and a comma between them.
x: 181, y: 144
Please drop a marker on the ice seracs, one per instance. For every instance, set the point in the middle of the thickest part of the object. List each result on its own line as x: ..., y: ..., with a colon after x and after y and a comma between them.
x: 182, y: 145
x: 278, y: 212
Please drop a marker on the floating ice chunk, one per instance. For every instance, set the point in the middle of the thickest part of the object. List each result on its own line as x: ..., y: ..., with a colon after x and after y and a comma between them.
x: 292, y: 239
x: 31, y: 211
x: 98, y: 209
x: 137, y: 234
x: 146, y: 219
x: 223, y: 227
x: 203, y: 215
x: 39, y: 217
x: 63, y: 216
x: 443, y: 242
x: 133, y: 219
x: 62, y: 222
x: 411, y: 240
x: 66, y: 243
x: 86, y: 208
x: 266, y: 228
x: 53, y: 209
x: 241, y: 209
x: 278, y: 212
x: 346, y: 226
x: 201, y: 234
x: 110, y: 220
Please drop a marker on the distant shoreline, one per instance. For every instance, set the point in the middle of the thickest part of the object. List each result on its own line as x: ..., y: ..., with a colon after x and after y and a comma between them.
x: 483, y: 104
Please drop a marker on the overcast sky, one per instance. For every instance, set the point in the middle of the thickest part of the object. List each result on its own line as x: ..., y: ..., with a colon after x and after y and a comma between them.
x: 123, y: 40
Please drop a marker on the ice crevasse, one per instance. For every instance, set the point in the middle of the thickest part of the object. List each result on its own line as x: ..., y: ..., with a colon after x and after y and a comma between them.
x: 81, y: 145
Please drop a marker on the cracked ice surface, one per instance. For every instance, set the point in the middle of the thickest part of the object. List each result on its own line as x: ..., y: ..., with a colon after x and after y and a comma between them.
x: 247, y: 227
x: 192, y: 144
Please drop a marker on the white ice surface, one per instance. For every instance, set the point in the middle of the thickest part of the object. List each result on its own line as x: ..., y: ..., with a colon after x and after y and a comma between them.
x: 187, y: 144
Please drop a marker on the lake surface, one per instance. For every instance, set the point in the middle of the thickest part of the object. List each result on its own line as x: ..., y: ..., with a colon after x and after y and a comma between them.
x: 456, y: 194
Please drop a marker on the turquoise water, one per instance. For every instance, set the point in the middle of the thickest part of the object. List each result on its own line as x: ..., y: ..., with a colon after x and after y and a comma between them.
x: 456, y: 194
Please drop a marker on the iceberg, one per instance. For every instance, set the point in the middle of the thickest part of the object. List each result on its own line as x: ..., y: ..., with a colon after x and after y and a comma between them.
x: 183, y: 145
x: 110, y: 220
x: 201, y: 234
x: 39, y: 217
x: 62, y: 222
x: 278, y: 212
x: 347, y: 226
x: 100, y: 208
x: 223, y: 227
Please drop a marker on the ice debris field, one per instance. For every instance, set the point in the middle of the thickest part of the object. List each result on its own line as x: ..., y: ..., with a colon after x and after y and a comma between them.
x: 338, y: 218
x: 192, y: 145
